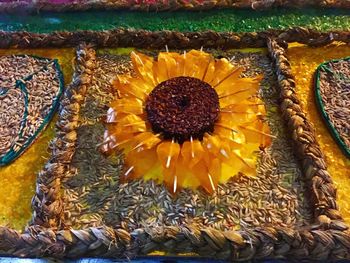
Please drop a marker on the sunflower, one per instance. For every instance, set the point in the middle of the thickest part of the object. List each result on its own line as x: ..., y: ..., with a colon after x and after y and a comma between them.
x: 188, y: 120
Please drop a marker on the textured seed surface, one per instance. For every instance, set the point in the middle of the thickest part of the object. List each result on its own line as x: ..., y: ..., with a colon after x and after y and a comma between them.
x: 182, y: 108
x: 335, y: 92
x: 304, y: 61
x: 17, y: 179
x: 41, y: 81
x: 94, y: 195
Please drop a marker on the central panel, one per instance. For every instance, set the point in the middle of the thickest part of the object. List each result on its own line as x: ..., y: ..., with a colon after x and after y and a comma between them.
x: 95, y: 192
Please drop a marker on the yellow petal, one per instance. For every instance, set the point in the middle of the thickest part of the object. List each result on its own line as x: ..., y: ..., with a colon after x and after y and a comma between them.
x: 234, y: 160
x: 113, y: 140
x: 132, y: 87
x: 208, y: 181
x: 129, y: 124
x: 249, y: 169
x: 143, y: 66
x: 228, y: 172
x: 138, y: 163
x: 196, y: 64
x: 214, y: 169
x: 227, y: 151
x: 146, y: 140
x: 237, y: 96
x: 256, y: 132
x: 228, y: 83
x: 168, y: 153
x: 155, y: 173
x: 189, y: 179
x: 172, y: 62
x: 126, y: 105
x: 210, y: 71
x: 160, y: 71
x: 174, y: 180
x: 243, y: 111
x: 211, y: 143
x: 223, y: 68
x: 223, y: 131
x: 192, y: 152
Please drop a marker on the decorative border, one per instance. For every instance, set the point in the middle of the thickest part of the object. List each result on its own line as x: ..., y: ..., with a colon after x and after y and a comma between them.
x: 323, y: 193
x: 47, y: 202
x: 161, y: 5
x: 177, y: 40
x: 326, y: 239
x: 323, y: 112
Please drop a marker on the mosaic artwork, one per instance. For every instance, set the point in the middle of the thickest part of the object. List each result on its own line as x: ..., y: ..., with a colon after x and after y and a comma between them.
x: 198, y: 137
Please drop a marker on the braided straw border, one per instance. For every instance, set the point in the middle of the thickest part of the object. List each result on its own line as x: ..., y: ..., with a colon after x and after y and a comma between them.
x: 47, y: 202
x: 327, y: 239
x: 322, y: 192
x: 171, y: 5
x: 173, y: 39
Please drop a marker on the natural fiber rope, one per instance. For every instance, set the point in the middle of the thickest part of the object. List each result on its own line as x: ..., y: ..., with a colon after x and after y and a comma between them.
x: 208, y: 242
x: 175, y: 40
x: 322, y: 191
x: 47, y: 203
x: 45, y: 5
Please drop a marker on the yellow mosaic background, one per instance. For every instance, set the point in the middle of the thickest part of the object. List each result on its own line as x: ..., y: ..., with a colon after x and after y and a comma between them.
x: 17, y: 180
x: 304, y: 61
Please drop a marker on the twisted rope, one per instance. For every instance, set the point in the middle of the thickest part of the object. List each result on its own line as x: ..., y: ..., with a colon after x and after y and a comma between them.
x: 46, y: 5
x: 173, y: 39
x: 47, y: 202
x: 318, y: 180
x: 208, y: 242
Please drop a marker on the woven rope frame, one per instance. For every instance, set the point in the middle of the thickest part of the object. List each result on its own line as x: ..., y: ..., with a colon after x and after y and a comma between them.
x: 171, y: 5
x: 327, y: 238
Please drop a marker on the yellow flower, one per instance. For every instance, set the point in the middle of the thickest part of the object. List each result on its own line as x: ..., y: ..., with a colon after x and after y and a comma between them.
x: 187, y: 120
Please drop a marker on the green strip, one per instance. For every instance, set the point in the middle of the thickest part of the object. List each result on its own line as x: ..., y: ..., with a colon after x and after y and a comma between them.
x: 217, y: 20
x: 322, y: 110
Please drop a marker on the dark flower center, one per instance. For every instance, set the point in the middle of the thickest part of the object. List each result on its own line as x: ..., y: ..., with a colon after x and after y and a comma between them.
x: 182, y: 107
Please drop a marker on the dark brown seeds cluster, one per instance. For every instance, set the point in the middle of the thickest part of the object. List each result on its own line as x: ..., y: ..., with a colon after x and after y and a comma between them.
x: 182, y: 107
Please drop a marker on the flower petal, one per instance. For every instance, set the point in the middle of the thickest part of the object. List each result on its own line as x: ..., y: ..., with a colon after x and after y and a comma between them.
x: 175, y: 181
x: 196, y: 64
x: 192, y: 152
x: 223, y: 68
x: 146, y: 140
x: 139, y: 162
x: 132, y: 87
x: 131, y: 123
x: 127, y: 105
x: 143, y: 66
x: 168, y: 154
x: 242, y: 93
x: 173, y: 63
x: 257, y: 131
x: 208, y: 181
x: 228, y: 82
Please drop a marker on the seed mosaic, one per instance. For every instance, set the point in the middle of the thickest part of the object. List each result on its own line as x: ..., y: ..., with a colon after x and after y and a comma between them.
x: 94, y: 195
x: 27, y: 92
x: 335, y: 92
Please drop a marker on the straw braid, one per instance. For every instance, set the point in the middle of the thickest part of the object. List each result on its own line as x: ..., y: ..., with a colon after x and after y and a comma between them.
x: 47, y: 5
x: 208, y: 242
x: 173, y: 39
x: 47, y: 203
x: 322, y: 191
